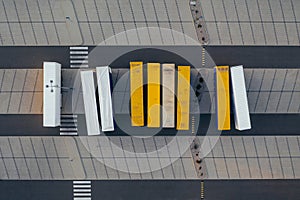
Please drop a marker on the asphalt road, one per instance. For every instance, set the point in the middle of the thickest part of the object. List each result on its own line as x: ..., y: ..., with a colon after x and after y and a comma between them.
x: 33, y: 57
x: 152, y: 190
x: 25, y: 125
x: 36, y: 190
x: 256, y: 56
x: 262, y: 124
x: 250, y: 190
x: 155, y: 190
x: 118, y: 56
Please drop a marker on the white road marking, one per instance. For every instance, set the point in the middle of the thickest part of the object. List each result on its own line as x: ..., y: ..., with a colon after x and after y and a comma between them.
x: 78, y: 48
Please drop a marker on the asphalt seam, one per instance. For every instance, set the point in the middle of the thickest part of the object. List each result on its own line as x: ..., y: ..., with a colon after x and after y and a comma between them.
x: 90, y: 158
x: 288, y: 146
x: 248, y: 12
x: 272, y: 17
x: 5, y: 11
x: 162, y: 41
x: 262, y: 25
x: 181, y: 23
x: 280, y: 95
x: 35, y: 158
x: 285, y: 27
x: 100, y: 150
x: 19, y: 109
x: 17, y: 170
x: 10, y: 94
x: 44, y: 28
x: 113, y: 29
x: 293, y: 91
x: 118, y: 2
x: 127, y: 165
x: 59, y: 163
x: 27, y: 168
x: 238, y: 17
x: 293, y: 9
x: 22, y: 33
x: 229, y: 30
x: 265, y: 143
x: 169, y: 21
x: 232, y: 144
x: 89, y: 25
x: 281, y: 164
x: 58, y: 39
x: 100, y: 22
x: 259, y: 164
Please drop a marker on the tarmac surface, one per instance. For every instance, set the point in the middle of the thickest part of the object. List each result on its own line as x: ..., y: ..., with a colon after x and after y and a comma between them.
x: 262, y: 124
x: 177, y: 190
x: 265, y: 56
x: 21, y: 125
x: 256, y: 56
x: 33, y: 57
x: 36, y: 190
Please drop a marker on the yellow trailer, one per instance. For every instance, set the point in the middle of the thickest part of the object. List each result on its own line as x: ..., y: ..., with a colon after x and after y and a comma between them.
x: 222, y: 97
x: 153, y: 72
x: 136, y: 93
x: 183, y: 98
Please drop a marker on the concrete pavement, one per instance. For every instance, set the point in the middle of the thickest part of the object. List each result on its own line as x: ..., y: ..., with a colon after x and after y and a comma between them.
x: 152, y: 158
x: 91, y: 22
x: 239, y: 22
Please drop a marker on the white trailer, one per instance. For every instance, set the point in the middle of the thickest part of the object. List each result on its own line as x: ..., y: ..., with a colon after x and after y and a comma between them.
x: 240, y: 101
x: 52, y: 94
x: 89, y: 101
x: 168, y: 95
x: 105, y: 102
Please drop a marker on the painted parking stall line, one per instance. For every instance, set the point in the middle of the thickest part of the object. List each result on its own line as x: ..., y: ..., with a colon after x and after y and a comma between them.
x: 82, y: 190
x: 79, y: 57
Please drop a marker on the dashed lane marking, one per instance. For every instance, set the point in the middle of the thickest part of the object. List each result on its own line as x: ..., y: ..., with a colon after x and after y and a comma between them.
x: 203, y: 56
x: 202, y: 190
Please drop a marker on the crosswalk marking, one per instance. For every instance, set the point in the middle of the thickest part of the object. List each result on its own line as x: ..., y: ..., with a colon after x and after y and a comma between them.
x: 81, y: 186
x: 79, y: 61
x: 79, y: 57
x: 68, y: 125
x: 82, y: 66
x: 79, y: 48
x: 81, y: 182
x: 81, y: 194
x: 82, y: 190
x: 79, y: 52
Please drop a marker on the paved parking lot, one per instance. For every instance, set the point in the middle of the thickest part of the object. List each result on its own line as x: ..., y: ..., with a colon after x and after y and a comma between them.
x: 92, y: 22
x: 264, y: 22
x: 134, y: 158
